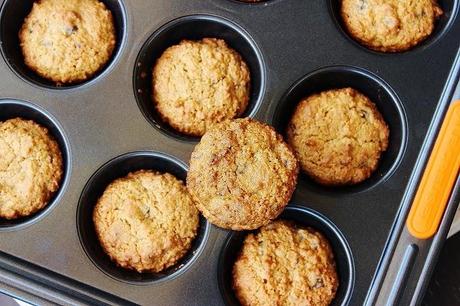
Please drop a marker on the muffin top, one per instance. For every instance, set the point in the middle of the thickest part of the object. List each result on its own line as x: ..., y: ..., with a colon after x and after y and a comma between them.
x: 338, y: 136
x: 146, y: 221
x: 285, y: 264
x: 31, y: 168
x: 242, y: 174
x: 390, y: 25
x: 67, y: 41
x: 199, y: 83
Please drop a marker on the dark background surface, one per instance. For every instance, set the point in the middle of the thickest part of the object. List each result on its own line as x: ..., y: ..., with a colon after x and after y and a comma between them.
x: 444, y: 288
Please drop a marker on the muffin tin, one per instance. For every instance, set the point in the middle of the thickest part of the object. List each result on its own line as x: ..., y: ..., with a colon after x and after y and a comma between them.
x: 106, y: 127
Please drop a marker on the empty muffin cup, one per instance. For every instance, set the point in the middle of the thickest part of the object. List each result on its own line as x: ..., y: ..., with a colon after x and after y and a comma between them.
x: 377, y: 90
x: 10, y: 109
x: 12, y: 17
x: 195, y: 27
x: 117, y: 168
x: 304, y: 217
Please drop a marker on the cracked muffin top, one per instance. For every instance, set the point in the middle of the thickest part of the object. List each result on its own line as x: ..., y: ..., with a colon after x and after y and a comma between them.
x: 31, y: 168
x: 338, y: 136
x: 67, y: 41
x: 285, y: 264
x: 242, y: 174
x: 146, y: 221
x: 390, y: 25
x: 200, y: 83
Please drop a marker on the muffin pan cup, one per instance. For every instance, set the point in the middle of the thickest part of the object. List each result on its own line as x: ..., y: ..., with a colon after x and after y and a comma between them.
x: 117, y: 168
x: 443, y: 24
x: 377, y: 90
x: 304, y: 217
x: 10, y: 109
x: 195, y: 27
x: 12, y: 17
x: 293, y: 48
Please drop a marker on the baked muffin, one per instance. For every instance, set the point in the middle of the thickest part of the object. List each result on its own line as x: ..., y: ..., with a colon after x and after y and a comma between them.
x: 31, y: 168
x: 390, y: 25
x: 146, y: 221
x: 242, y: 174
x: 199, y: 83
x: 67, y: 41
x: 285, y: 264
x: 338, y: 135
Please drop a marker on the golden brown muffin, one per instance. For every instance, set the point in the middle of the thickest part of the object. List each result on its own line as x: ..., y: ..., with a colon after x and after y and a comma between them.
x: 390, y: 25
x: 31, y: 168
x: 285, y: 264
x: 338, y: 136
x: 67, y: 41
x: 242, y: 174
x: 199, y: 83
x: 146, y: 221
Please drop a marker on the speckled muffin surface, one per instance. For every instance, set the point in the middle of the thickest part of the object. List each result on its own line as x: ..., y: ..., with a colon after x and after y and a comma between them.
x: 390, y: 25
x: 200, y: 83
x: 338, y: 136
x: 242, y: 174
x: 146, y: 221
x: 31, y: 168
x: 67, y: 41
x: 285, y: 264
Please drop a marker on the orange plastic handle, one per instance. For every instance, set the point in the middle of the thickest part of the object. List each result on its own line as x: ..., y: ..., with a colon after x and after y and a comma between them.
x: 438, y: 179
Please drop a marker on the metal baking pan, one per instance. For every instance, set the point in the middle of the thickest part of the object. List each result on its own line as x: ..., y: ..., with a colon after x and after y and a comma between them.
x: 107, y: 127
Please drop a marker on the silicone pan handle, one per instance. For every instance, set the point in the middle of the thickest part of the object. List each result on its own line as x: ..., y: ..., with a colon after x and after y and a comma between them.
x: 438, y: 179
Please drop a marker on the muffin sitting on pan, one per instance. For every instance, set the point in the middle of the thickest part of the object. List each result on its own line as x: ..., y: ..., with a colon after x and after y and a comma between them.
x: 199, y: 83
x: 242, y: 174
x: 31, y: 168
x: 67, y: 41
x: 339, y: 136
x: 390, y: 25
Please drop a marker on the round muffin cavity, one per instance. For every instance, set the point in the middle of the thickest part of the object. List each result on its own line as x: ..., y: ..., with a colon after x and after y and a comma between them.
x: 200, y: 83
x: 242, y: 174
x: 338, y: 136
x: 31, y: 168
x: 390, y: 25
x: 67, y: 41
x: 146, y: 221
x: 285, y: 264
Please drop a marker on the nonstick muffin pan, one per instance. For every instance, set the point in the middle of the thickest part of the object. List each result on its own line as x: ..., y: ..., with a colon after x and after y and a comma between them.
x: 106, y: 128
